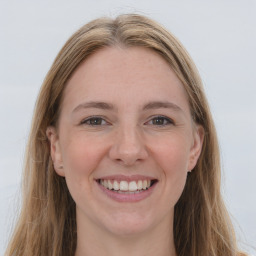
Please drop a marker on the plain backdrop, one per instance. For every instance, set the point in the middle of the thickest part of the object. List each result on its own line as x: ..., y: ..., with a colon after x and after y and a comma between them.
x: 220, y: 35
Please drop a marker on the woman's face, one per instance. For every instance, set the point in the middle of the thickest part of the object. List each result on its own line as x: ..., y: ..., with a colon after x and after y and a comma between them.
x: 125, y: 140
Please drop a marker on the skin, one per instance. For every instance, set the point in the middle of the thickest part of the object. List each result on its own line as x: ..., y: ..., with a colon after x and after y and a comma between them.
x: 129, y: 140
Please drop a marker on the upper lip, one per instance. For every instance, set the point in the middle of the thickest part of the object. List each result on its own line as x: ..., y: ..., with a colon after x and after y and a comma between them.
x: 127, y: 178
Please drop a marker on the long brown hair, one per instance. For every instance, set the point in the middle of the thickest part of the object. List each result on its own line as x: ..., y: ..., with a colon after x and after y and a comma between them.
x: 47, y: 223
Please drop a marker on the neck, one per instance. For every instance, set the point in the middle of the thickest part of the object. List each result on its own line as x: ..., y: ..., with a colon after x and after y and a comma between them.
x: 157, y: 241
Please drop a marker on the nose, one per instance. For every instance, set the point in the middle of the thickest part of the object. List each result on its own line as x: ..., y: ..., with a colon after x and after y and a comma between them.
x: 128, y: 147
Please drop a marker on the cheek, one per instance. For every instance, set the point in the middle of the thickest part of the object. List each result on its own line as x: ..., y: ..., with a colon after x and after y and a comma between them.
x: 81, y: 155
x: 174, y: 165
x: 172, y: 153
x: 173, y: 158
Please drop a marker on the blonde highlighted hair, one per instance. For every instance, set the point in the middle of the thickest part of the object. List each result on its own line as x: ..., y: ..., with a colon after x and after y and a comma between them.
x: 47, y: 223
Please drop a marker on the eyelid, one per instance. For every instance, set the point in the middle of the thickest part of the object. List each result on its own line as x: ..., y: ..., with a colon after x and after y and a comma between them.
x: 83, y: 122
x: 87, y: 119
x: 170, y: 121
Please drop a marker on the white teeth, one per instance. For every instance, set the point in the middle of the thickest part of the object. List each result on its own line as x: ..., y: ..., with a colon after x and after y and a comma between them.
x: 116, y: 185
x: 144, y: 184
x: 105, y: 183
x: 110, y: 186
x: 125, y: 186
x: 132, y: 186
x: 139, y: 185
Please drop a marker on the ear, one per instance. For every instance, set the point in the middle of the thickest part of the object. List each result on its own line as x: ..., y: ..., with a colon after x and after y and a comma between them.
x: 196, y: 147
x: 56, y: 156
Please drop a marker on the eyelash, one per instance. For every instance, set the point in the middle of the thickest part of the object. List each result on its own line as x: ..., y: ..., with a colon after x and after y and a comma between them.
x: 166, y: 120
x: 91, y: 121
x: 94, y: 118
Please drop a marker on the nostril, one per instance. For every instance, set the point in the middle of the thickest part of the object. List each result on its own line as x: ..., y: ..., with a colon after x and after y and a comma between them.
x: 128, y: 151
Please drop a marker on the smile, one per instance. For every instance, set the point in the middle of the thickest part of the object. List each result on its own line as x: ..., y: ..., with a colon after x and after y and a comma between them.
x: 127, y: 190
x: 124, y: 186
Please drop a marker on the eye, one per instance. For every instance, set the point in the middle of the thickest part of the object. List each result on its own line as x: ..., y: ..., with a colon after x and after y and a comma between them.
x: 160, y: 121
x: 94, y: 121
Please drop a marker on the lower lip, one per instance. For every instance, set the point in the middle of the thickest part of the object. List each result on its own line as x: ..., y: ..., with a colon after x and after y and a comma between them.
x: 133, y: 197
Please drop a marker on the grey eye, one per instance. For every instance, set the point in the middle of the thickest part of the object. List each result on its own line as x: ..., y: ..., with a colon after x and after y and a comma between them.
x: 94, y: 121
x: 160, y: 121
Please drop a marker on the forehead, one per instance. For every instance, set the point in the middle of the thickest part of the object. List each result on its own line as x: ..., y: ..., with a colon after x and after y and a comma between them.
x: 120, y: 74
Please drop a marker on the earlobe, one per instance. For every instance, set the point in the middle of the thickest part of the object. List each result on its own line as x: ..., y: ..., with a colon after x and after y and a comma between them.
x: 196, y: 147
x: 55, y: 151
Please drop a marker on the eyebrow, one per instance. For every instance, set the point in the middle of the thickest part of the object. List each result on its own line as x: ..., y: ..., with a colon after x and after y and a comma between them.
x: 94, y: 104
x: 160, y: 104
x: 108, y: 106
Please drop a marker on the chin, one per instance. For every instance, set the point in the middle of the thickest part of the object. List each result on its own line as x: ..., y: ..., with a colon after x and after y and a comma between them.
x: 127, y: 225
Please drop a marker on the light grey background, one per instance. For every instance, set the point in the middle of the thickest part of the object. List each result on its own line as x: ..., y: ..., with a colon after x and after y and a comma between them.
x: 221, y: 38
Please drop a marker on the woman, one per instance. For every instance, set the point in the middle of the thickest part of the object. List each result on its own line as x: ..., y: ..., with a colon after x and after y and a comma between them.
x: 123, y: 155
